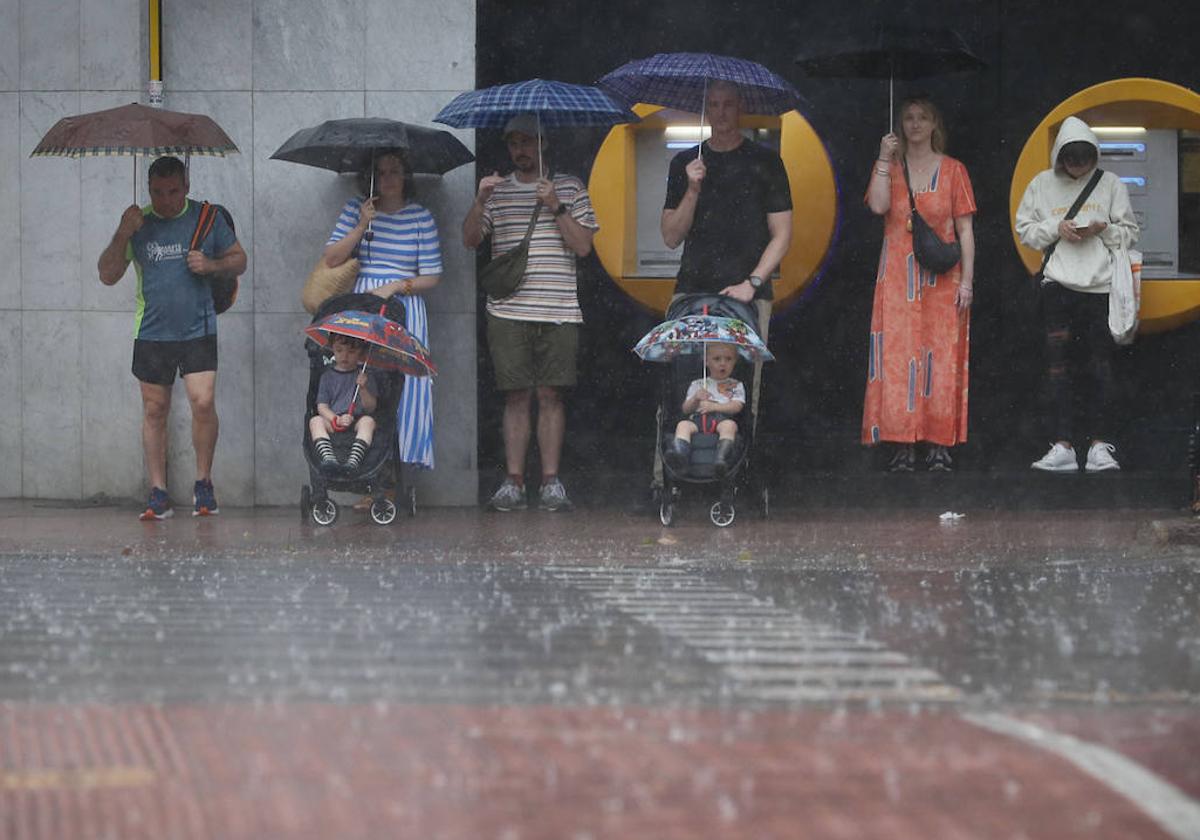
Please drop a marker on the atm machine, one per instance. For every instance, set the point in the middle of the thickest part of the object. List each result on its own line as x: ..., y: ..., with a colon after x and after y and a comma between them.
x: 1147, y: 160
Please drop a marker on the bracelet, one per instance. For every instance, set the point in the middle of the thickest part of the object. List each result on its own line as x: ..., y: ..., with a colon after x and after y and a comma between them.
x: 883, y: 172
x: 883, y: 160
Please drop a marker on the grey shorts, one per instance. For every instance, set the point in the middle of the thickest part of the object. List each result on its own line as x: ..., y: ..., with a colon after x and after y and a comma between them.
x: 527, y: 354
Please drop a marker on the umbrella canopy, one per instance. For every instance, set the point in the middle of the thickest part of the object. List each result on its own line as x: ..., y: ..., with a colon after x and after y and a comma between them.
x: 392, y: 346
x: 556, y: 104
x: 893, y: 52
x: 680, y: 80
x: 350, y: 145
x: 135, y: 130
x: 690, y: 334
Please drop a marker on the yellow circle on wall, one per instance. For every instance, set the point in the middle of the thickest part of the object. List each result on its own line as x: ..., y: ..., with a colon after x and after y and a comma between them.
x: 1150, y: 104
x: 613, y: 189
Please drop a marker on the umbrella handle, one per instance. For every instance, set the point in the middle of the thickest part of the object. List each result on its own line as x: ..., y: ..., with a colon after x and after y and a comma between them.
x: 703, y: 102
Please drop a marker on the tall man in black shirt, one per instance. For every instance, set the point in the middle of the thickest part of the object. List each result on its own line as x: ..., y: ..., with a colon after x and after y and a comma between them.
x: 731, y: 207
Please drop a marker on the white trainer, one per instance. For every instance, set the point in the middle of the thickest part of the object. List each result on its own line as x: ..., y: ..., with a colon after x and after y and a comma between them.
x: 1100, y: 457
x: 1059, y: 459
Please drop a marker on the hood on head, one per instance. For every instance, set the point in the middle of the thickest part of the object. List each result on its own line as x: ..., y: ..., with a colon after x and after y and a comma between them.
x: 1073, y: 130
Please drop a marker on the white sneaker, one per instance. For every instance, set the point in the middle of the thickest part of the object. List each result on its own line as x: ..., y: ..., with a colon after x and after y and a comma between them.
x: 1100, y: 457
x: 1059, y: 459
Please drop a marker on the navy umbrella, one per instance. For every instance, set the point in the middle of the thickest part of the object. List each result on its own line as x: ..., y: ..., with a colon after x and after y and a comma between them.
x: 680, y: 80
x: 556, y: 104
x: 350, y: 145
x: 893, y: 52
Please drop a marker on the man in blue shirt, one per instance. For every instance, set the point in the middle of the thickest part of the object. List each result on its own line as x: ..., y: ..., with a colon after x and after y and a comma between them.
x: 175, y: 328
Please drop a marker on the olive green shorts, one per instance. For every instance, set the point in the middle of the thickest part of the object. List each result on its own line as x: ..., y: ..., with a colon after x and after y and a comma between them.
x: 527, y: 354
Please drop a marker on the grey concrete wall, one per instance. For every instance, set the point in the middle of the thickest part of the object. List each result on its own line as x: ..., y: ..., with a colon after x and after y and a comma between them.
x: 262, y: 69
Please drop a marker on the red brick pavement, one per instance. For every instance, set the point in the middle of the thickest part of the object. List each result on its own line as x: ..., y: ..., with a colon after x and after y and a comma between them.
x: 233, y: 772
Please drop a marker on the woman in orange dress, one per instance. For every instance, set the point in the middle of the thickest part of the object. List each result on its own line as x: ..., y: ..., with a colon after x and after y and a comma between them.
x: 920, y: 325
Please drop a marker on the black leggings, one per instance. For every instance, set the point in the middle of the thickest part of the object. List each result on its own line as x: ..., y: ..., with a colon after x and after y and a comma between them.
x: 1079, y: 357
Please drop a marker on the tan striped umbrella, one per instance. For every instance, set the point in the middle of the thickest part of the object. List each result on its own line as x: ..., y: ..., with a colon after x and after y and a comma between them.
x: 135, y: 130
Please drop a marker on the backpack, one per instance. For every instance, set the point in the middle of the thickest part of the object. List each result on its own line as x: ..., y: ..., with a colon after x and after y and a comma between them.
x: 224, y: 286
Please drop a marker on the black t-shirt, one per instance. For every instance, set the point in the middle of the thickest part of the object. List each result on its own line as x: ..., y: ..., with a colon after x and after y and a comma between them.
x: 729, y: 230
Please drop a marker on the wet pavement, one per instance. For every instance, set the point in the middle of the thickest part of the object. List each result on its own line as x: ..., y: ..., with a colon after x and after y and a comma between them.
x: 831, y: 673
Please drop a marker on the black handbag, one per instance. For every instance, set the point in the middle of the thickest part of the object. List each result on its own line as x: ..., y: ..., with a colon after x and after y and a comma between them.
x: 501, y: 277
x: 1079, y: 199
x: 932, y: 252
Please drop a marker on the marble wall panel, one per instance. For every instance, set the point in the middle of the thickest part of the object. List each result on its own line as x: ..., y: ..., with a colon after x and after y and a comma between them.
x: 281, y: 386
x: 207, y: 45
x: 308, y: 45
x: 111, y: 45
x: 110, y: 408
x: 51, y: 401
x: 227, y: 180
x: 295, y: 206
x: 10, y: 45
x: 430, y: 47
x: 454, y: 481
x: 107, y: 185
x: 10, y: 383
x: 10, y: 199
x: 49, y: 52
x: 50, y: 209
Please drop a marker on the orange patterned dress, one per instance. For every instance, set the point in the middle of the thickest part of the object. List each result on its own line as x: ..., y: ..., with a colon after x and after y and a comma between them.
x: 917, y: 367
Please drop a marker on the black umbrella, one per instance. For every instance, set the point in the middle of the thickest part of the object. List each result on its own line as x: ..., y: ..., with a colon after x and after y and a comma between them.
x: 894, y: 52
x: 350, y: 146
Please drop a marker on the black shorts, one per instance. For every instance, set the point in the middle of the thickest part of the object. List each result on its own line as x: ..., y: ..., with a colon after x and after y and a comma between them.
x: 155, y: 362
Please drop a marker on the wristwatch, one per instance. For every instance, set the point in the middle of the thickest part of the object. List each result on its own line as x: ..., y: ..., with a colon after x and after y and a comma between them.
x: 562, y: 208
x: 756, y: 281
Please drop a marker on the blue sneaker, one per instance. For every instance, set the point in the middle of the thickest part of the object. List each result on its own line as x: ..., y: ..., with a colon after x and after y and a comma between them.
x: 204, y: 500
x: 158, y: 506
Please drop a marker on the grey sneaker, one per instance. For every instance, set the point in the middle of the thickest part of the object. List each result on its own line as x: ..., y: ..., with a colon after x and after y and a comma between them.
x: 508, y: 497
x: 554, y: 497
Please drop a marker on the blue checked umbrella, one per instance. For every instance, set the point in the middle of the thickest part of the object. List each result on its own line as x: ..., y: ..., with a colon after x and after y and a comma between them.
x: 556, y: 104
x: 680, y: 80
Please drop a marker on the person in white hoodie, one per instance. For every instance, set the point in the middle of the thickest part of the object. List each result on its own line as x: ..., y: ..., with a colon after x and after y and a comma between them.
x: 1075, y: 285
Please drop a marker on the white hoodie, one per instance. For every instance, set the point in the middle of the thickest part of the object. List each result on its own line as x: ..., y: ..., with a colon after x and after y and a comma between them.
x: 1084, y: 266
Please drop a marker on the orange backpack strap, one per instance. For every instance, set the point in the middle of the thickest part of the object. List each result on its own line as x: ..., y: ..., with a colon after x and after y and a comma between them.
x: 204, y: 225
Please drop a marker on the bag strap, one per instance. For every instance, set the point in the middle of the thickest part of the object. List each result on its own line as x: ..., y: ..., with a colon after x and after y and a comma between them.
x: 204, y: 225
x: 912, y: 203
x: 1074, y: 208
x: 532, y: 222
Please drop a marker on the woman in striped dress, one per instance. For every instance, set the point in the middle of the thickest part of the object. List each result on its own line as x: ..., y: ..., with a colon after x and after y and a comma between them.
x: 401, y: 255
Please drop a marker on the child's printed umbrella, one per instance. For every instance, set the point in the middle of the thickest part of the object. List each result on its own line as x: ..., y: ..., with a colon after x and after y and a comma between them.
x: 393, y: 347
x: 690, y: 334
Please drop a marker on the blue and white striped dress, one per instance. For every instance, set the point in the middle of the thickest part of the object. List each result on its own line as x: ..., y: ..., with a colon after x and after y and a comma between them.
x: 405, y: 245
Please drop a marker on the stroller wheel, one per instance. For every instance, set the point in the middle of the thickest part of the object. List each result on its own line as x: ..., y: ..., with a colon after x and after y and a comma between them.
x: 325, y: 512
x: 305, y: 502
x: 383, y: 511
x: 722, y: 514
x: 666, y: 513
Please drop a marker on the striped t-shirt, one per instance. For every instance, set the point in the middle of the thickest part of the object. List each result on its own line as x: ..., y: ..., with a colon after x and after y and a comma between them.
x: 405, y: 244
x: 548, y: 292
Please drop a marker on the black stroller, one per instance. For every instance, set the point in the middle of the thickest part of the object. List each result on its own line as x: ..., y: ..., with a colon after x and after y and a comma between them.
x: 739, y: 478
x: 379, y: 470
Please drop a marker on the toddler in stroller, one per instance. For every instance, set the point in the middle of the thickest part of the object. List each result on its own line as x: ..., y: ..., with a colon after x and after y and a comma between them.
x: 350, y: 450
x: 711, y: 442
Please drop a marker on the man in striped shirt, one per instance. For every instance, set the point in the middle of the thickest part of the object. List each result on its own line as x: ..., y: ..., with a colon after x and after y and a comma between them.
x: 533, y: 334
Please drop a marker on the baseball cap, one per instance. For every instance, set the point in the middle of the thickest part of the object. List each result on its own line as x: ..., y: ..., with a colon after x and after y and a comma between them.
x: 524, y: 123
